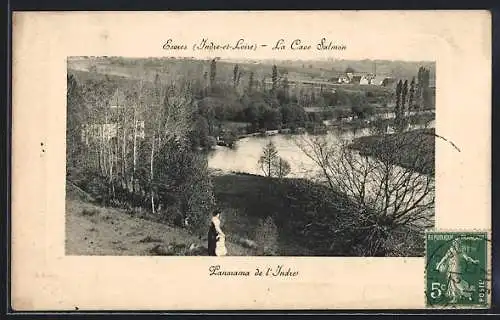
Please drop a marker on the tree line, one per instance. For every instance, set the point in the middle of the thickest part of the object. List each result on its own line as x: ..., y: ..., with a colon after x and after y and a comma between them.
x: 413, y: 96
x: 134, y: 145
x: 273, y: 104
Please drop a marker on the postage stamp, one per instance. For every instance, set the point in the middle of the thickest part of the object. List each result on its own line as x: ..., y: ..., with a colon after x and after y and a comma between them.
x: 456, y: 270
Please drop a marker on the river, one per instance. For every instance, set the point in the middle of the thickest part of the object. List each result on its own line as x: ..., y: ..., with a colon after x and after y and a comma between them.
x: 247, y: 151
x: 245, y: 156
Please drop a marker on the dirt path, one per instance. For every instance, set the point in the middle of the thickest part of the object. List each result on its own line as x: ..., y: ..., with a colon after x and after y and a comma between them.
x: 94, y: 230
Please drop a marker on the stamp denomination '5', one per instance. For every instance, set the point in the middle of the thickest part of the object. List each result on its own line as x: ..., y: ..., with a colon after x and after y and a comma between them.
x: 456, y: 269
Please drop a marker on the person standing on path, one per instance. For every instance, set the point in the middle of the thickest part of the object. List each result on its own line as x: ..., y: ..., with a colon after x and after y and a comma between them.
x: 214, y: 232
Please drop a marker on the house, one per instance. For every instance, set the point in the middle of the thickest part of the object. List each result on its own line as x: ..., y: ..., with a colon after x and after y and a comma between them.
x: 117, y: 100
x: 355, y: 79
x: 111, y: 126
x: 432, y: 83
x: 366, y: 79
x: 101, y: 131
x: 272, y: 132
x: 108, y: 131
x: 343, y: 79
x: 377, y: 80
x: 313, y: 109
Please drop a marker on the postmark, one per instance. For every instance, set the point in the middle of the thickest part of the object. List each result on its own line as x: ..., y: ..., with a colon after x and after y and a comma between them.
x: 456, y: 271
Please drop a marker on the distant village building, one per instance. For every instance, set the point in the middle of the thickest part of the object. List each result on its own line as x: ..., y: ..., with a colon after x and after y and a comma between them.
x: 366, y: 79
x: 343, y: 79
x: 112, y: 128
x: 313, y: 109
x: 272, y: 132
x: 432, y: 83
x: 108, y: 131
x: 377, y: 80
x: 314, y: 112
x: 355, y: 79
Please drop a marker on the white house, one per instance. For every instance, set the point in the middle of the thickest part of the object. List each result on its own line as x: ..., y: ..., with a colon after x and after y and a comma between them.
x: 107, y: 131
x: 377, y: 80
x: 367, y: 79
x: 343, y: 79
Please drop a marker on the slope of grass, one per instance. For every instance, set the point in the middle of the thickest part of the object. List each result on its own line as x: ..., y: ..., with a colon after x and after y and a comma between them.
x: 413, y: 149
x: 96, y: 230
x: 311, y: 220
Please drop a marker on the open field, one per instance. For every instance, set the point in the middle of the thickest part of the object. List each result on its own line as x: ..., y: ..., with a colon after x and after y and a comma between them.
x: 323, y: 69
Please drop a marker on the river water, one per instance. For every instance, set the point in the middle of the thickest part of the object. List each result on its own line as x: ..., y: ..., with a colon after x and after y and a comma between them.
x: 246, y: 154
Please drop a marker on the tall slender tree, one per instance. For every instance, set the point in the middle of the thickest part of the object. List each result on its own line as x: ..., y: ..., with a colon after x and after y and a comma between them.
x: 286, y: 89
x: 75, y: 106
x: 422, y: 91
x: 425, y: 90
x: 418, y: 91
x: 274, y: 78
x: 404, y: 94
x: 238, y: 78
x: 250, y: 82
x: 412, y: 94
x: 235, y: 75
x: 397, y: 110
x: 213, y: 72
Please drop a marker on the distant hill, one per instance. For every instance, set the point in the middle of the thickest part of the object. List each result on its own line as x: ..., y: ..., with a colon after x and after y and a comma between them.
x: 169, y: 69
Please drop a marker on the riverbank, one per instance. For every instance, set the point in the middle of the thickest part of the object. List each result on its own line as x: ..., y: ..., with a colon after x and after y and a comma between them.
x: 381, y: 120
x: 310, y: 220
x: 414, y: 149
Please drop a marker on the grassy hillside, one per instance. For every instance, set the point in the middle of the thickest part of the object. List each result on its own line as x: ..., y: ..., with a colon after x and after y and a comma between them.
x: 311, y: 220
x: 92, y: 229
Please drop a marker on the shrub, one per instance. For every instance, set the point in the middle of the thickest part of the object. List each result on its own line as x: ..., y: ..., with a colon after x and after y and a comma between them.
x: 90, y: 212
x: 150, y: 239
x: 266, y: 236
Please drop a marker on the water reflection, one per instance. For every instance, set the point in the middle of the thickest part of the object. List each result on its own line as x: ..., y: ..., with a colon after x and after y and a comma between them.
x: 246, y: 154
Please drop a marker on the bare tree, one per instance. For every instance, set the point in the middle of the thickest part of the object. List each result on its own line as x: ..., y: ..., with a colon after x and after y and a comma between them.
x: 271, y: 164
x: 389, y: 198
x: 170, y: 120
x: 268, y: 158
x: 282, y: 168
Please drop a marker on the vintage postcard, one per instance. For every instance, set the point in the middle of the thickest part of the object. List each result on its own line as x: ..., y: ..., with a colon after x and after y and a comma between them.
x: 251, y: 160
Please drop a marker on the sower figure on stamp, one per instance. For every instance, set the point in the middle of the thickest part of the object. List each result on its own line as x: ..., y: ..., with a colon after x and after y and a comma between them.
x: 450, y: 264
x: 216, y: 238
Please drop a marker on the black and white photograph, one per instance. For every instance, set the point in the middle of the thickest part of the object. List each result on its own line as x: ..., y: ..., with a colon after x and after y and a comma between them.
x: 317, y: 159
x: 219, y: 157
